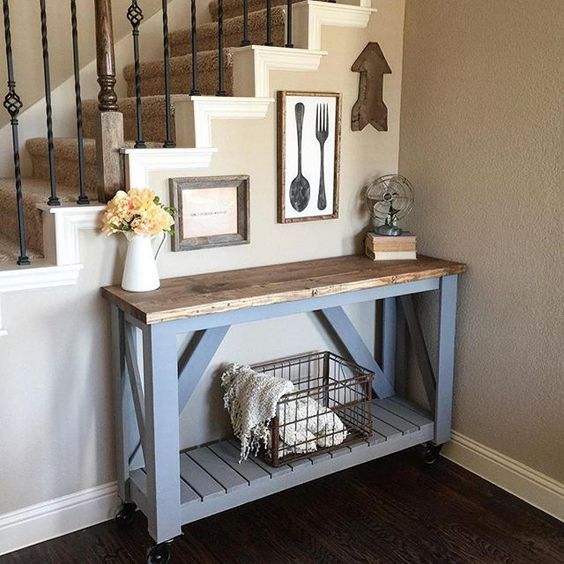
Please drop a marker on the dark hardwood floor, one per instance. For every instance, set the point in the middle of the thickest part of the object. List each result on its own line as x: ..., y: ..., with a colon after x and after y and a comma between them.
x: 391, y: 510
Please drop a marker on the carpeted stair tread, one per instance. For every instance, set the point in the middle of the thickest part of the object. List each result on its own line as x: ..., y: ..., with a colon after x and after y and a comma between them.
x: 65, y: 148
x: 180, y: 41
x: 233, y: 8
x: 181, y: 64
x: 66, y: 161
x: 153, y: 111
x: 35, y: 191
x: 10, y: 251
x: 181, y: 75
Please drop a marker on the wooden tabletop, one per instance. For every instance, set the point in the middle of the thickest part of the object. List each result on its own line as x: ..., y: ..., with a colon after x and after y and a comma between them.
x: 202, y: 294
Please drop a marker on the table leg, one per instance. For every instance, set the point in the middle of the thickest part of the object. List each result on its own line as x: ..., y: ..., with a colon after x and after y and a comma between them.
x: 401, y: 354
x: 389, y: 324
x: 445, y: 374
x: 161, y: 432
x: 123, y: 405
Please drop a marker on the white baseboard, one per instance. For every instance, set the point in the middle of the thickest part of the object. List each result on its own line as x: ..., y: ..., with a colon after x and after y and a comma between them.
x: 522, y: 481
x: 73, y: 512
x: 57, y: 517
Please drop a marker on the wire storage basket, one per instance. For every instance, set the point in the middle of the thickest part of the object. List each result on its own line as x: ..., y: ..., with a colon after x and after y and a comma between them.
x: 329, y: 407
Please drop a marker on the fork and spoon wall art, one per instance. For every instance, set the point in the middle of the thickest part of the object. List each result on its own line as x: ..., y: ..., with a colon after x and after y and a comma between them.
x: 308, y: 155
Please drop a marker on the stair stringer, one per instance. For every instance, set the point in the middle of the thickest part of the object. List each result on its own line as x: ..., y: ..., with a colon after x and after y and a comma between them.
x: 194, y: 115
x: 139, y: 163
x: 310, y: 17
x: 252, y: 66
x: 62, y: 263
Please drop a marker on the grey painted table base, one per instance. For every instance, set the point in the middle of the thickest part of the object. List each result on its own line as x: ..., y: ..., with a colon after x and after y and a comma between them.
x: 154, y: 381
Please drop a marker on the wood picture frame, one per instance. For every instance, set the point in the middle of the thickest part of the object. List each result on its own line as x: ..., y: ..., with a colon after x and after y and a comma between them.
x: 212, y: 211
x: 321, y: 200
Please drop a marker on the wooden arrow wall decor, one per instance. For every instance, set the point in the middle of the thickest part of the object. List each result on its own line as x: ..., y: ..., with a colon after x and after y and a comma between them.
x: 370, y: 107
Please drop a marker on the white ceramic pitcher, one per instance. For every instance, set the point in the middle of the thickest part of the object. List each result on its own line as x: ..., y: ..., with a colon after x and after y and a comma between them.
x: 140, y: 272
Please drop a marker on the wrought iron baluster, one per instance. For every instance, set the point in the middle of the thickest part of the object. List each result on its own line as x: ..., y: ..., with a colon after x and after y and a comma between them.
x: 13, y: 105
x: 168, y: 107
x: 245, y: 40
x: 289, y: 23
x: 135, y: 17
x: 221, y: 88
x: 82, y: 197
x: 53, y: 199
x: 268, y: 23
x: 194, y: 39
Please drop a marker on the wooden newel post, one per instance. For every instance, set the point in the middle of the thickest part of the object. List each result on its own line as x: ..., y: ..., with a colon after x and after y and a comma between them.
x: 105, y: 57
x: 110, y: 137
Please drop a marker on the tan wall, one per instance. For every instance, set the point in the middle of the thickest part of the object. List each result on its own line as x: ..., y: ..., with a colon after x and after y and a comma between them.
x: 56, y: 424
x: 26, y: 42
x: 482, y: 140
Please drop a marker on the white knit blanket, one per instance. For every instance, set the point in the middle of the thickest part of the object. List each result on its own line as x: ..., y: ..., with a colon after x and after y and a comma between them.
x: 251, y: 399
x: 306, y: 426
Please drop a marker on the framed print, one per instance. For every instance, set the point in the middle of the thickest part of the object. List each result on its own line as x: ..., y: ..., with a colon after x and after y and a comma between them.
x: 309, y: 137
x: 212, y: 211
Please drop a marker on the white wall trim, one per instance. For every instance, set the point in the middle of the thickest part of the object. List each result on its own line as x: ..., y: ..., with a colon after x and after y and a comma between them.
x: 57, y: 517
x: 522, y: 481
x: 40, y: 275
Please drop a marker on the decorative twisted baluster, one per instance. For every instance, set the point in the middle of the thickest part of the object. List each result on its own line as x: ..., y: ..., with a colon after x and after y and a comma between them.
x: 166, y: 48
x: 245, y: 40
x: 82, y: 197
x: 135, y: 17
x: 221, y: 88
x: 289, y: 23
x: 194, y: 39
x: 53, y: 200
x: 13, y: 105
x: 268, y: 23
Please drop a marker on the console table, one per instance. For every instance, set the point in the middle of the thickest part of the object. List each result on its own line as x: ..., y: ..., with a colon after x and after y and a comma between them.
x: 173, y: 488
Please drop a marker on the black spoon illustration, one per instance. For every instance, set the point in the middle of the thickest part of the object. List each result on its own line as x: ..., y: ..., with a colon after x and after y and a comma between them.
x: 299, y: 188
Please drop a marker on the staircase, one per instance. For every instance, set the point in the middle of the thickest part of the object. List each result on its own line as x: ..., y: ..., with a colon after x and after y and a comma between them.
x: 36, y: 187
x: 248, y: 96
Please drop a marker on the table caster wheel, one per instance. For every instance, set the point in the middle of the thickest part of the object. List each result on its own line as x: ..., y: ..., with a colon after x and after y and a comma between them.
x: 431, y: 453
x: 159, y: 554
x: 126, y: 514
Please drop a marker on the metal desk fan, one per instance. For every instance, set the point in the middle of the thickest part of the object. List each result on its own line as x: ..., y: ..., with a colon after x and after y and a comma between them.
x: 389, y: 199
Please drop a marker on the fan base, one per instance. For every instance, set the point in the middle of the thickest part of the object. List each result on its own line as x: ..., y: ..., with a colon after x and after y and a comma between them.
x: 388, y: 230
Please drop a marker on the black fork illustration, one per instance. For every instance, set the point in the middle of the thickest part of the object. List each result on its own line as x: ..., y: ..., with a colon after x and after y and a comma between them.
x: 321, y: 133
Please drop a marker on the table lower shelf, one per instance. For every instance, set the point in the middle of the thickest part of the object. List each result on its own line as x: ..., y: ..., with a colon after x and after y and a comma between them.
x: 212, y: 480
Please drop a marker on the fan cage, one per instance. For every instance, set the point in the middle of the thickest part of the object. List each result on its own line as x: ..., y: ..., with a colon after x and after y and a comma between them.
x: 382, y: 185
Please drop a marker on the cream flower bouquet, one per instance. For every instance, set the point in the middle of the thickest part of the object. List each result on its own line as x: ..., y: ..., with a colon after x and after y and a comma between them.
x: 140, y: 215
x: 137, y: 212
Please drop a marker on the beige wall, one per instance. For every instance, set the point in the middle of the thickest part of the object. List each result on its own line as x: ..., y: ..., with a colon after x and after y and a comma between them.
x: 56, y: 431
x: 482, y: 140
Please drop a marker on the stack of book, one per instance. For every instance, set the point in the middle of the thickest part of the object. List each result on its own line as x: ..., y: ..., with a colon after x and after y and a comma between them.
x: 384, y: 247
